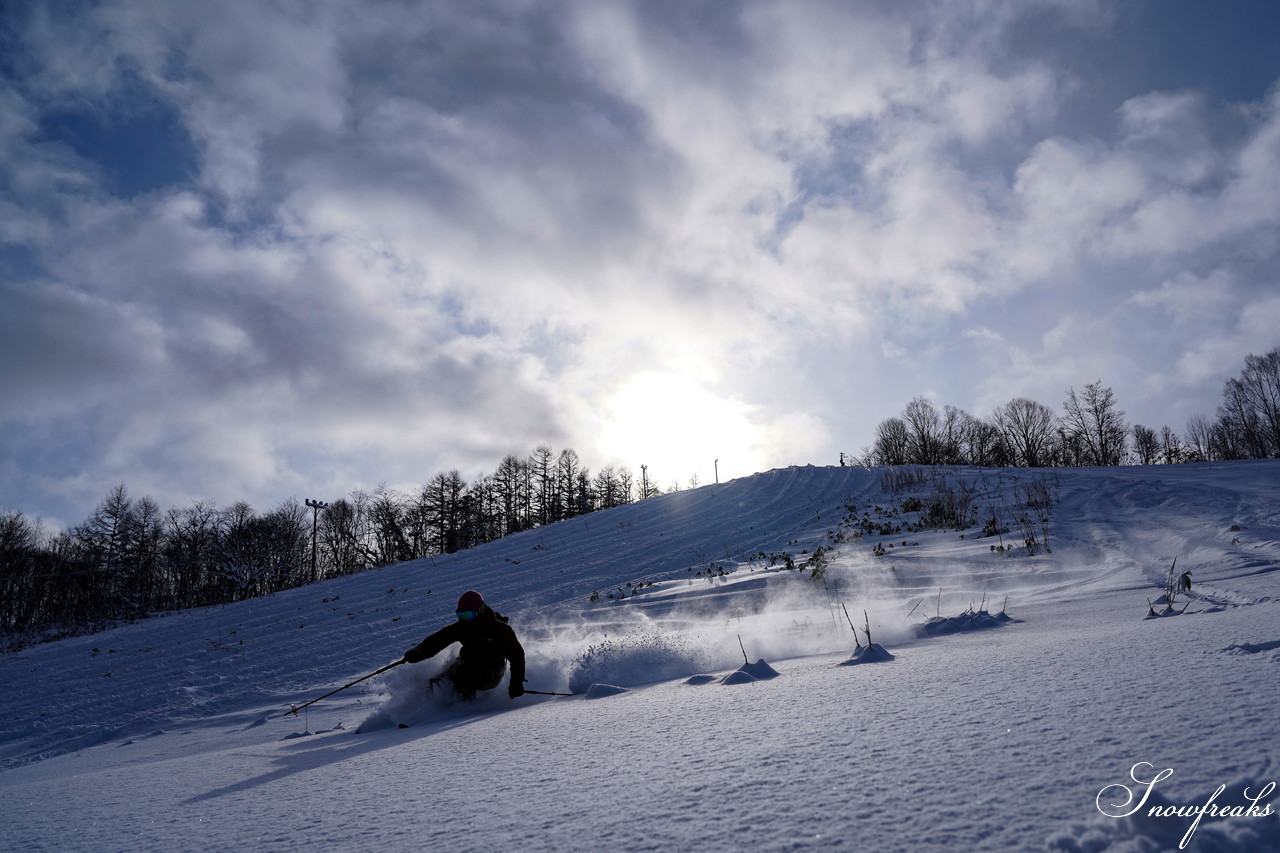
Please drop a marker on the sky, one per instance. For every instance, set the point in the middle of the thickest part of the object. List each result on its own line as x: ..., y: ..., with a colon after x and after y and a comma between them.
x: 250, y: 250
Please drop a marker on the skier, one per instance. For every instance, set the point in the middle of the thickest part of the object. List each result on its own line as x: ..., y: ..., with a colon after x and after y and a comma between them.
x: 488, y: 643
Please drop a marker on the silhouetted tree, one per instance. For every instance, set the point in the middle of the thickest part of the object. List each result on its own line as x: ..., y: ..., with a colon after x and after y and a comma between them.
x: 1171, y: 447
x: 1199, y: 438
x: 1250, y: 409
x: 1093, y: 420
x: 893, y: 442
x: 1029, y: 432
x: 1146, y: 445
x: 542, y: 469
x: 924, y: 431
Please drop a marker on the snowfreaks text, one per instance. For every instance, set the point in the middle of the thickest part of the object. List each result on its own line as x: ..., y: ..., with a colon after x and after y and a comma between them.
x: 1125, y: 808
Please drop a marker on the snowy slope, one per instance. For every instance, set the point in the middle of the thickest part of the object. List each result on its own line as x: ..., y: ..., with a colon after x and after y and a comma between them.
x: 169, y: 734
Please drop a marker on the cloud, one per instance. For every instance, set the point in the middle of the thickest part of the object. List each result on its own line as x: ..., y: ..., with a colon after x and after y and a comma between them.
x: 419, y: 236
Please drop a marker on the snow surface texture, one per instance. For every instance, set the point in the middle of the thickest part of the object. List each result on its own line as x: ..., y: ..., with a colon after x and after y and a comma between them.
x: 983, y: 733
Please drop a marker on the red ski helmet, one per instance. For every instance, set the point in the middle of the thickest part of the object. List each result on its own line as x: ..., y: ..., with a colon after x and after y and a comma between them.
x: 471, y: 600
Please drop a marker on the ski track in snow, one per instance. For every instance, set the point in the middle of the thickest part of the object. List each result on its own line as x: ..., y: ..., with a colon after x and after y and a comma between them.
x: 172, y: 733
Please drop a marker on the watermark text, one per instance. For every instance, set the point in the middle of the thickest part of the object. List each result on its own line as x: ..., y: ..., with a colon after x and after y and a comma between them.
x: 1119, y: 801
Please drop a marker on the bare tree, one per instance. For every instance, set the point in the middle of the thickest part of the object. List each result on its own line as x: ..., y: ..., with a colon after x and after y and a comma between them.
x: 444, y: 512
x: 191, y: 551
x: 925, y: 431
x: 543, y: 472
x: 242, y: 568
x: 23, y: 590
x: 627, y: 485
x: 387, y: 518
x: 584, y: 493
x: 955, y: 427
x: 1250, y: 407
x: 106, y: 543
x: 510, y: 483
x: 893, y: 442
x: 608, y: 488
x: 1029, y: 431
x: 481, y: 513
x: 1199, y: 438
x: 986, y: 447
x: 144, y: 584
x: 286, y: 539
x: 1145, y: 444
x: 1093, y: 420
x: 568, y: 467
x: 1171, y: 448
x: 344, y: 528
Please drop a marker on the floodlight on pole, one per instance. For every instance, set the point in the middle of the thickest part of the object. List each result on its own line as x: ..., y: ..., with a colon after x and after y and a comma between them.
x: 316, y: 506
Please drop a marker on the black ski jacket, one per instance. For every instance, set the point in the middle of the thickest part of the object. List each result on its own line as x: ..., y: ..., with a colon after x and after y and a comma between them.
x: 486, y: 642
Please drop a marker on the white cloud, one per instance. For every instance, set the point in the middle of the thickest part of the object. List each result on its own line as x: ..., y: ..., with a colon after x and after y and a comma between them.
x: 1192, y: 302
x: 425, y: 235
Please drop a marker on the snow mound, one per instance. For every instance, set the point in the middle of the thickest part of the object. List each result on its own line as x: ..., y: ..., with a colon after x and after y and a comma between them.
x: 738, y: 677
x: 699, y: 680
x: 937, y: 626
x: 748, y: 672
x: 869, y: 654
x: 600, y: 691
x: 759, y: 669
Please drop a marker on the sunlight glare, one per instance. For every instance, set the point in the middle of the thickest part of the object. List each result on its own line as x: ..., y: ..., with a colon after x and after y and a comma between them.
x: 677, y: 427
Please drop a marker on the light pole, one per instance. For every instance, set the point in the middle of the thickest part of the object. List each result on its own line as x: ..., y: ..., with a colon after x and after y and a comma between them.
x: 717, y: 472
x: 316, y: 506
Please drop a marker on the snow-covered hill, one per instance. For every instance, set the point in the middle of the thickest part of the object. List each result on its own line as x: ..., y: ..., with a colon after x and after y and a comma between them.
x: 982, y: 732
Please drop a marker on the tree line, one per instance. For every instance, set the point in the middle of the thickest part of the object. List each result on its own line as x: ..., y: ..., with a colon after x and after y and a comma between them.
x: 1090, y: 430
x: 129, y: 558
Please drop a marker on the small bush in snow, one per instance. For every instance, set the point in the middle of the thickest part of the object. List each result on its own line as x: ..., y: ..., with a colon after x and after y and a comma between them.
x: 1173, y: 585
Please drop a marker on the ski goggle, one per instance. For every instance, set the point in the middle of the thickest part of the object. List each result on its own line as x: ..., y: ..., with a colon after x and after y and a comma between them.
x: 467, y: 615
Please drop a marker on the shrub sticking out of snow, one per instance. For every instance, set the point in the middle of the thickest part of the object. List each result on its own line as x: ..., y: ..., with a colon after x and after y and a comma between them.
x: 869, y: 653
x: 969, y: 620
x: 759, y: 669
x: 748, y: 672
x: 1174, y: 584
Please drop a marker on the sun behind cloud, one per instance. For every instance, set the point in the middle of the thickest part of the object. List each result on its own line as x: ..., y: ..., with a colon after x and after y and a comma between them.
x: 679, y: 428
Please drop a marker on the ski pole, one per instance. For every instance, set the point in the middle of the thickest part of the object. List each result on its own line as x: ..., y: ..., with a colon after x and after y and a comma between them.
x: 545, y: 693
x: 294, y: 709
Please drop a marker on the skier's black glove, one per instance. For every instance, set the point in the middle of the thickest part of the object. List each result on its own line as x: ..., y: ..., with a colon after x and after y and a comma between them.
x: 412, y: 656
x: 516, y: 689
